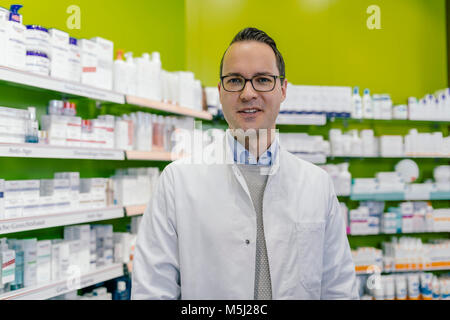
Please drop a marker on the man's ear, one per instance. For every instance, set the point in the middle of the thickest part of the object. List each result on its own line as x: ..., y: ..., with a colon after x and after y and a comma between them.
x: 284, y: 90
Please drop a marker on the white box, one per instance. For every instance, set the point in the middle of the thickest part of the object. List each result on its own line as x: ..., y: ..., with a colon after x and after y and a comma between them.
x: 2, y: 199
x: 43, y: 261
x: 73, y: 132
x: 13, y: 199
x: 105, y: 55
x: 30, y: 251
x: 74, y: 60
x: 391, y: 146
x: 15, y: 45
x: 30, y: 196
x: 8, y: 266
x: 59, y: 42
x: 47, y: 203
x: 3, y: 35
x: 56, y: 270
x: 74, y: 182
x: 89, y: 62
x: 61, y: 195
x: 56, y: 126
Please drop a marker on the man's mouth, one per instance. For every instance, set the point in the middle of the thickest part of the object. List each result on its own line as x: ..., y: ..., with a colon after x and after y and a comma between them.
x: 250, y: 110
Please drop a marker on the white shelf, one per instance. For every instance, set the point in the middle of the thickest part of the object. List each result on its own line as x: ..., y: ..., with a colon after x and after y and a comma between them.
x: 316, y: 158
x: 59, y: 219
x: 135, y: 210
x: 302, y: 119
x: 57, y: 85
x: 60, y: 287
x: 166, y: 107
x: 150, y: 155
x: 32, y: 150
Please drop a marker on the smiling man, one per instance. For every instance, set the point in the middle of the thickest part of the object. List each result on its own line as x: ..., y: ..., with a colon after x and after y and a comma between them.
x: 265, y: 226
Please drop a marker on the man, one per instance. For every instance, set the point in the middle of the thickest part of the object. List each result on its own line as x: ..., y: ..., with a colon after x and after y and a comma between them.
x: 265, y: 226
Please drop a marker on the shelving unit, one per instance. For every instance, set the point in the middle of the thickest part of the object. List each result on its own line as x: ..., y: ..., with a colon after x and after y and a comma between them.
x: 56, y: 288
x: 135, y: 210
x: 74, y: 89
x: 59, y: 219
x: 161, y: 106
x: 31, y: 150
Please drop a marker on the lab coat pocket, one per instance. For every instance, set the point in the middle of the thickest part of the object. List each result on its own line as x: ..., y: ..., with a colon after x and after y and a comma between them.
x: 310, y: 241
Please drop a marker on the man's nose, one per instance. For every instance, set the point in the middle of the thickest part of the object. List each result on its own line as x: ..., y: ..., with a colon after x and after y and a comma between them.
x: 248, y: 92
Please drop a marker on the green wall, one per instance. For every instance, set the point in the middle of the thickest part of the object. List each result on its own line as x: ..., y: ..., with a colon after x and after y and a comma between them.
x: 327, y: 42
x: 138, y: 26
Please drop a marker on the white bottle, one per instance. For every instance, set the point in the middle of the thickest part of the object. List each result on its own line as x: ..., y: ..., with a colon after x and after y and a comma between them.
x: 130, y: 74
x: 143, y: 76
x: 120, y: 74
x: 357, y: 112
x: 367, y: 105
x: 156, y: 77
x: 345, y: 179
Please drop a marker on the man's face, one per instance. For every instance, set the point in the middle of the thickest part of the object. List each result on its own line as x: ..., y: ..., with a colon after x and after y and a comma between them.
x: 250, y: 58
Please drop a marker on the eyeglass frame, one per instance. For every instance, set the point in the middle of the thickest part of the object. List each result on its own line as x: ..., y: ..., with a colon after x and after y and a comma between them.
x: 251, y: 81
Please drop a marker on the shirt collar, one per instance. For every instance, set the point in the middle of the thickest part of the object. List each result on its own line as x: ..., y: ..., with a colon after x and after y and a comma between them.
x: 243, y: 156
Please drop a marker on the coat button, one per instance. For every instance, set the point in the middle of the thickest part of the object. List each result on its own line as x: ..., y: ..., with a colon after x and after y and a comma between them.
x: 247, y: 241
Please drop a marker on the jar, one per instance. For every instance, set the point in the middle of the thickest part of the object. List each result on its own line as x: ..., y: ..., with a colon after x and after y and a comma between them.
x: 37, y: 62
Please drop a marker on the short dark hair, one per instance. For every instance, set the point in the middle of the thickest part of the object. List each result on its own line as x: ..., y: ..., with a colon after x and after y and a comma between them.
x: 253, y: 34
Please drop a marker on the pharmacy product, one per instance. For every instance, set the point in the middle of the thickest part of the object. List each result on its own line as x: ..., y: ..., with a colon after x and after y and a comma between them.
x: 130, y: 74
x: 37, y: 39
x: 2, y: 199
x: 15, y: 45
x: 120, y: 84
x: 367, y: 105
x: 4, y: 16
x: 89, y: 62
x: 30, y: 197
x: 400, y: 287
x: 7, y: 263
x: 413, y: 286
x: 37, y: 62
x: 144, y: 76
x: 75, y: 68
x: 59, y: 41
x: 32, y: 127
x: 43, y: 261
x: 357, y: 111
x: 426, y: 286
x: 105, y: 56
x: 30, y: 257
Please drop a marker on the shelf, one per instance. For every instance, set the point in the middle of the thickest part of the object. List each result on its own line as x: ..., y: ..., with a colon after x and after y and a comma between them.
x: 60, y: 287
x: 302, y: 119
x: 150, y: 155
x: 161, y: 106
x: 135, y: 210
x: 397, y: 121
x: 63, y: 86
x: 401, y: 196
x: 59, y: 219
x: 437, y: 268
x: 31, y: 150
x: 397, y: 234
x: 316, y: 158
x: 430, y: 156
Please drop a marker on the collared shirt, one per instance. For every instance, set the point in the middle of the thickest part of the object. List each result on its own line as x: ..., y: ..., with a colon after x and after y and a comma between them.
x: 243, y: 156
x: 197, y: 238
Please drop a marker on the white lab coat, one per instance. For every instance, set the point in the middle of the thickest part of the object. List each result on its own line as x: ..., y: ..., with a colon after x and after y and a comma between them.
x: 197, y: 238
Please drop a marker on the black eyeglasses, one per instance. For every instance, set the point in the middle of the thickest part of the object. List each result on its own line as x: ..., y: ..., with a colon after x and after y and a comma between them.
x: 261, y: 83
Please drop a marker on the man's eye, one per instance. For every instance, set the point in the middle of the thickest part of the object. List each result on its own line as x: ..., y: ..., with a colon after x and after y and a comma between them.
x: 235, y: 81
x: 263, y: 80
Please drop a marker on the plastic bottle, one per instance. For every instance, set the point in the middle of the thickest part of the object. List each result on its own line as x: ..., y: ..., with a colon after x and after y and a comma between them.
x: 156, y: 83
x: 345, y: 179
x: 32, y: 134
x: 357, y: 112
x: 367, y: 105
x: 144, y: 76
x: 120, y: 74
x: 130, y: 74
